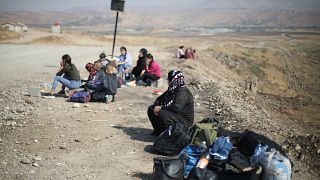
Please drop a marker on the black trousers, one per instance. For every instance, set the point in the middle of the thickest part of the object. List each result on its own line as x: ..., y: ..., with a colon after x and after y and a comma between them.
x: 149, y: 78
x: 164, y: 119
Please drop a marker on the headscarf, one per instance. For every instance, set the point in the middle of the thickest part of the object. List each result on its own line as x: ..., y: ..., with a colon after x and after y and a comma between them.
x: 176, y: 79
x: 144, y: 52
x: 92, y: 72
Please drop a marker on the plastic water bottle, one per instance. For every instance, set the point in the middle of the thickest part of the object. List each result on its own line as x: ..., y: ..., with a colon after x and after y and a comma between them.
x: 204, y: 160
x: 258, y: 152
x: 204, y: 144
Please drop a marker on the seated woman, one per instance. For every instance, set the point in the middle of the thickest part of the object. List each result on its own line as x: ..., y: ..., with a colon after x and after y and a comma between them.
x: 180, y: 53
x: 136, y: 71
x: 69, y: 70
x: 173, y: 106
x: 152, y: 71
x: 92, y: 71
x: 111, y: 79
x: 97, y: 82
x: 124, y: 61
x: 190, y: 53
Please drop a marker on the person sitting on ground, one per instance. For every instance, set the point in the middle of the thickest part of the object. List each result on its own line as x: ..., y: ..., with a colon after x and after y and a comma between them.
x: 190, y: 53
x: 111, y: 79
x: 173, y: 106
x: 103, y: 59
x: 68, y: 70
x: 92, y: 71
x: 136, y: 71
x: 124, y: 61
x: 97, y: 82
x: 152, y: 71
x: 180, y: 53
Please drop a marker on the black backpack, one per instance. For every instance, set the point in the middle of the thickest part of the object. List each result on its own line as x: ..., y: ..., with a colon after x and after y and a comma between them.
x: 249, y: 140
x: 172, y: 140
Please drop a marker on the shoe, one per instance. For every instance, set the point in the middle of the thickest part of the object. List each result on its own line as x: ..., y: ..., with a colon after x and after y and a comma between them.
x: 62, y: 92
x: 132, y: 83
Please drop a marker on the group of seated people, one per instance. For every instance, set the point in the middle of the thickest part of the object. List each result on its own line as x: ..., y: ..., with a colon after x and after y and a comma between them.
x: 183, y: 53
x: 102, y: 76
x: 105, y: 71
x: 174, y: 105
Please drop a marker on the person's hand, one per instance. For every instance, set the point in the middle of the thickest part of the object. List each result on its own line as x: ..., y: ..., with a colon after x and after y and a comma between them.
x: 142, y: 72
x: 156, y: 110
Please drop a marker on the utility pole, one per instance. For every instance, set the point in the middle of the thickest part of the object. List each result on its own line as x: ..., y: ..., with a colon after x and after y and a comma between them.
x: 116, y: 5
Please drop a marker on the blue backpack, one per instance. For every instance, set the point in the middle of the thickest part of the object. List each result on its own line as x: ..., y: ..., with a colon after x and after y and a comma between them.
x: 81, y: 97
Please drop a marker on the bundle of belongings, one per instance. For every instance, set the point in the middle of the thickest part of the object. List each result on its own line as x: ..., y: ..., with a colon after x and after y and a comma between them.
x: 206, y: 151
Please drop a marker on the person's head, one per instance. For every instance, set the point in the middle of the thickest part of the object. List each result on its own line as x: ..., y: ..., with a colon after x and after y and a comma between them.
x: 102, y: 56
x: 97, y: 65
x: 66, y: 59
x: 149, y: 59
x: 181, y: 47
x: 143, y: 52
x: 123, y: 50
x: 89, y: 67
x: 174, y: 74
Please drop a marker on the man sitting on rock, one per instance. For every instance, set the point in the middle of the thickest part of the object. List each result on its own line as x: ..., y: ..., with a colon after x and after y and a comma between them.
x: 173, y: 106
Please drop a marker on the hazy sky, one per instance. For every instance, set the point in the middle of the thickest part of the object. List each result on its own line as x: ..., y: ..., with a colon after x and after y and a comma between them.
x: 42, y: 5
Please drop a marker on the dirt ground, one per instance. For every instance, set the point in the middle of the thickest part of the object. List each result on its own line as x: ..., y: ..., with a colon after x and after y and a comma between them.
x: 50, y: 139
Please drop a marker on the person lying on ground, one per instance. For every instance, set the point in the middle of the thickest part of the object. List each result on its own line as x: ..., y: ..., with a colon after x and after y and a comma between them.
x: 152, y: 71
x: 180, y: 53
x: 124, y: 61
x: 69, y: 70
x: 136, y: 71
x: 173, y: 106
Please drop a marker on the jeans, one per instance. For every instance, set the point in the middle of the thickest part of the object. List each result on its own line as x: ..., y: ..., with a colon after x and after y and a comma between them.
x: 71, y: 84
x: 123, y: 67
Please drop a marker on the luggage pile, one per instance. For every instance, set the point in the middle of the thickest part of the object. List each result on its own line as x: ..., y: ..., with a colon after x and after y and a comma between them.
x: 208, y: 152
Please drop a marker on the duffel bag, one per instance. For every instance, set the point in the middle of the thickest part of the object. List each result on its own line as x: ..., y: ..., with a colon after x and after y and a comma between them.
x: 172, y: 140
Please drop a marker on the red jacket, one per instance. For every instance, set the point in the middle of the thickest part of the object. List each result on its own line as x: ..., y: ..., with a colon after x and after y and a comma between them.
x: 155, y: 69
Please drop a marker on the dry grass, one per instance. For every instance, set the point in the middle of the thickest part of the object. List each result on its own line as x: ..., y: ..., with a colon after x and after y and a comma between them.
x: 5, y: 34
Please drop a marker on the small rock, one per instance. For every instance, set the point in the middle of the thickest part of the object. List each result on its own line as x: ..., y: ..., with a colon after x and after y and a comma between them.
x: 76, y: 105
x: 11, y: 123
x: 89, y: 110
x: 25, y: 161
x: 298, y: 148
x: 86, y: 105
x: 37, y: 158
x: 198, y: 104
x: 318, y: 151
x: 35, y: 140
x: 76, y: 140
x: 35, y: 164
x: 62, y: 147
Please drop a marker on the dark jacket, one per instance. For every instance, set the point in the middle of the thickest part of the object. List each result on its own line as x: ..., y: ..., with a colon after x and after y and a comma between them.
x: 70, y: 71
x: 111, y: 83
x: 182, y: 103
x: 136, y: 71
